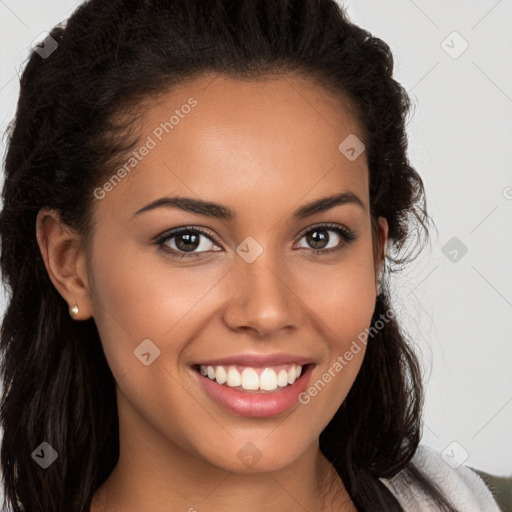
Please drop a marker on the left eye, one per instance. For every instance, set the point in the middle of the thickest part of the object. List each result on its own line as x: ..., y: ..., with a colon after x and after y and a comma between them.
x: 186, y: 241
x: 320, y: 240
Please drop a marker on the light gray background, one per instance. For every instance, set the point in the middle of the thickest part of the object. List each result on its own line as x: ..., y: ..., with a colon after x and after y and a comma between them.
x: 457, y: 312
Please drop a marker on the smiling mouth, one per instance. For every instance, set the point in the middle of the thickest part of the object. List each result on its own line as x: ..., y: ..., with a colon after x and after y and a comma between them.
x: 253, y: 379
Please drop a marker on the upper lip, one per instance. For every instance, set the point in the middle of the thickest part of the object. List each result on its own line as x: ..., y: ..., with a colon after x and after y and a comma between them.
x: 257, y: 360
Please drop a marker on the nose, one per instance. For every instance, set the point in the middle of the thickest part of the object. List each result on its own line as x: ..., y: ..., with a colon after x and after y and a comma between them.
x: 261, y: 297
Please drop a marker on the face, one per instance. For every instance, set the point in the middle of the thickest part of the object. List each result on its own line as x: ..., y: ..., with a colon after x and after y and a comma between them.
x: 258, y: 281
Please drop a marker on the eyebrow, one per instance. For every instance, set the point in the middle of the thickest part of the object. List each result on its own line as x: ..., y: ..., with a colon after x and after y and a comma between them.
x: 219, y: 211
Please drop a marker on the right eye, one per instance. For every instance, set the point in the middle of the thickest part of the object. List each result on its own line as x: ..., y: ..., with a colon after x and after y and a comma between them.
x: 182, y: 242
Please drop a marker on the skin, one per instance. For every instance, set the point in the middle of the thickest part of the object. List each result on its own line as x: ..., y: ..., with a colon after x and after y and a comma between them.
x: 263, y: 149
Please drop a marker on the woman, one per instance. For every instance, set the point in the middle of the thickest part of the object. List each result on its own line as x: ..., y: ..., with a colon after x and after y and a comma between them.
x: 197, y: 203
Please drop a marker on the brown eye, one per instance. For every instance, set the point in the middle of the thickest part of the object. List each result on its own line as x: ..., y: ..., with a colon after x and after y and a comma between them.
x: 318, y: 239
x: 327, y: 238
x: 185, y: 241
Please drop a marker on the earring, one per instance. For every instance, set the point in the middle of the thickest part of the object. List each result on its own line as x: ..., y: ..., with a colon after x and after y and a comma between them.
x: 73, y: 311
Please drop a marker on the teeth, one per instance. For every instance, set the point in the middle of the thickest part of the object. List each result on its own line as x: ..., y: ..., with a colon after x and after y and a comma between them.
x: 250, y: 379
x: 221, y: 375
x: 267, y: 379
x: 234, y: 378
x: 282, y: 377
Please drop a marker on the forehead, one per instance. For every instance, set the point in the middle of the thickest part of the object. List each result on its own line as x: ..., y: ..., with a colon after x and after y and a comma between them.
x: 220, y: 137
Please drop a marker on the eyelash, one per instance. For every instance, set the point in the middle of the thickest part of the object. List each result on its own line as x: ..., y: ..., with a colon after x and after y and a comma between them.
x: 346, y: 234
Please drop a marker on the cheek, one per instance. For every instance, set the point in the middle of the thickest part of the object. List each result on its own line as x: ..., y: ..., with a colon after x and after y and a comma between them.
x: 342, y: 300
x: 146, y: 298
x: 342, y: 296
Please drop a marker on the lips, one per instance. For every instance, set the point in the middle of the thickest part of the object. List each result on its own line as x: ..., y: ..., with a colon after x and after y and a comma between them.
x: 255, y: 385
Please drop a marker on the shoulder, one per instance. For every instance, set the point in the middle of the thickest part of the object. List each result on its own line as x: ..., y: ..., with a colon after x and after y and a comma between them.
x: 461, y: 485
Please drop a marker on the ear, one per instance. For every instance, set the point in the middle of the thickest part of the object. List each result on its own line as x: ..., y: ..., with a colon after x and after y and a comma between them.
x: 65, y: 261
x: 383, y: 230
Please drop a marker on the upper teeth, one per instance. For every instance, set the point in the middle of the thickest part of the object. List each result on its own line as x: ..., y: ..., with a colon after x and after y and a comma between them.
x: 266, y: 379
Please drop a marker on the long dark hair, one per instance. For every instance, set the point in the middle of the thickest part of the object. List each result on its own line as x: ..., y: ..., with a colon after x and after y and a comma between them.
x: 66, y: 139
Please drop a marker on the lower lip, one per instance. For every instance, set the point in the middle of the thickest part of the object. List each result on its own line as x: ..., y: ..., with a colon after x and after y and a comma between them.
x: 256, y: 405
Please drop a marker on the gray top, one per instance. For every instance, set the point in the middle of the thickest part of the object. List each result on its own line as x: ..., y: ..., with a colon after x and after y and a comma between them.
x: 463, y: 487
